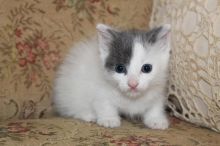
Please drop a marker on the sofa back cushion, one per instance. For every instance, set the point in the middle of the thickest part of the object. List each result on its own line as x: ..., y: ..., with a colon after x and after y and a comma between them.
x: 194, y: 89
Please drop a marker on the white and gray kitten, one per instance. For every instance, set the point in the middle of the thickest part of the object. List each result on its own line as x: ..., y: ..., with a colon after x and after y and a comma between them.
x: 119, y: 72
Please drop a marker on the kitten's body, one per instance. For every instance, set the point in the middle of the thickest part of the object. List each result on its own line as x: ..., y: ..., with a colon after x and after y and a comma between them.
x: 88, y: 89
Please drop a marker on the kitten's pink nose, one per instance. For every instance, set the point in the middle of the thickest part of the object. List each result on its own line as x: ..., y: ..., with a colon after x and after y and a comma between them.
x: 132, y: 84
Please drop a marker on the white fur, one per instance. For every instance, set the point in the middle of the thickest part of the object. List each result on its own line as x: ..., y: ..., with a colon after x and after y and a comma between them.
x: 85, y: 90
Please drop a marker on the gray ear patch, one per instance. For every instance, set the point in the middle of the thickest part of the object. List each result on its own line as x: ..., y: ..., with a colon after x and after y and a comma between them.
x: 158, y: 33
x: 152, y: 35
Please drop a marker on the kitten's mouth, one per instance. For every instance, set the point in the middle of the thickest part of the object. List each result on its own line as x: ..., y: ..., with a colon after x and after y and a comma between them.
x: 133, y: 90
x: 133, y: 93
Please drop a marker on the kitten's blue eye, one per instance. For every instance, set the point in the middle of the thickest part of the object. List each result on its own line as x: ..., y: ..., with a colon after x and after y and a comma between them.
x: 146, y: 68
x: 120, y: 68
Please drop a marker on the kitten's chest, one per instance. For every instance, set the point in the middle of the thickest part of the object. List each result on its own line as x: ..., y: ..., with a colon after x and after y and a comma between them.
x: 133, y: 107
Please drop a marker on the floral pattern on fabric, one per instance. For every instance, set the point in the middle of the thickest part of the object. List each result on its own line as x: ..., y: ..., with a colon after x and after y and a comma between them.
x: 60, y: 132
x: 35, y: 35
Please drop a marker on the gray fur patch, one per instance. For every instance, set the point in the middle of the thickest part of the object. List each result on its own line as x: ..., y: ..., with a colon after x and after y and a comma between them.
x: 151, y: 36
x: 121, y: 46
x: 120, y: 49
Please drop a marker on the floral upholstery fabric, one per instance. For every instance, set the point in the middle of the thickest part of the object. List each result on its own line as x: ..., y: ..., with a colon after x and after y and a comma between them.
x: 36, y: 34
x: 194, y: 91
x: 67, y: 132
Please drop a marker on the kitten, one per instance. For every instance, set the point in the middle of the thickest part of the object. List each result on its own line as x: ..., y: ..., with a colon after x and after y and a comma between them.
x: 120, y: 72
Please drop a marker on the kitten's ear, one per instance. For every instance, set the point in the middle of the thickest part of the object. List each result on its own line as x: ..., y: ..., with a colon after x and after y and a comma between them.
x: 164, y: 32
x: 106, y: 32
x: 161, y: 36
x: 105, y: 36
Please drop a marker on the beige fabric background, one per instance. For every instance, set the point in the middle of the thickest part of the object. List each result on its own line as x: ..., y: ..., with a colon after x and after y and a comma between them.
x: 36, y: 34
x: 34, y: 37
x: 194, y: 92
x: 71, y: 132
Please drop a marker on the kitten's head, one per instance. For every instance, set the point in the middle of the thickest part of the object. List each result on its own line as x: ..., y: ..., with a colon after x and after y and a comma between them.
x: 135, y: 60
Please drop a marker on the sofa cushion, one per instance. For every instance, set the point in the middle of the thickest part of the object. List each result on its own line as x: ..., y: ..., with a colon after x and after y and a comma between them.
x: 35, y: 35
x: 63, y: 132
x: 194, y: 91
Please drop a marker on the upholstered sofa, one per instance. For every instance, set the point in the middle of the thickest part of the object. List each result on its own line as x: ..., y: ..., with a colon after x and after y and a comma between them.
x: 35, y: 35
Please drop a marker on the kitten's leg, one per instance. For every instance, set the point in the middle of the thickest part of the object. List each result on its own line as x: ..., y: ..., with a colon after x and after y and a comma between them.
x: 155, y: 117
x: 107, y: 116
x: 88, y: 116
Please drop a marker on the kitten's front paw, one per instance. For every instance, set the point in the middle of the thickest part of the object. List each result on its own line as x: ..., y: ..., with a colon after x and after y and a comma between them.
x: 157, y: 123
x: 109, y: 122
